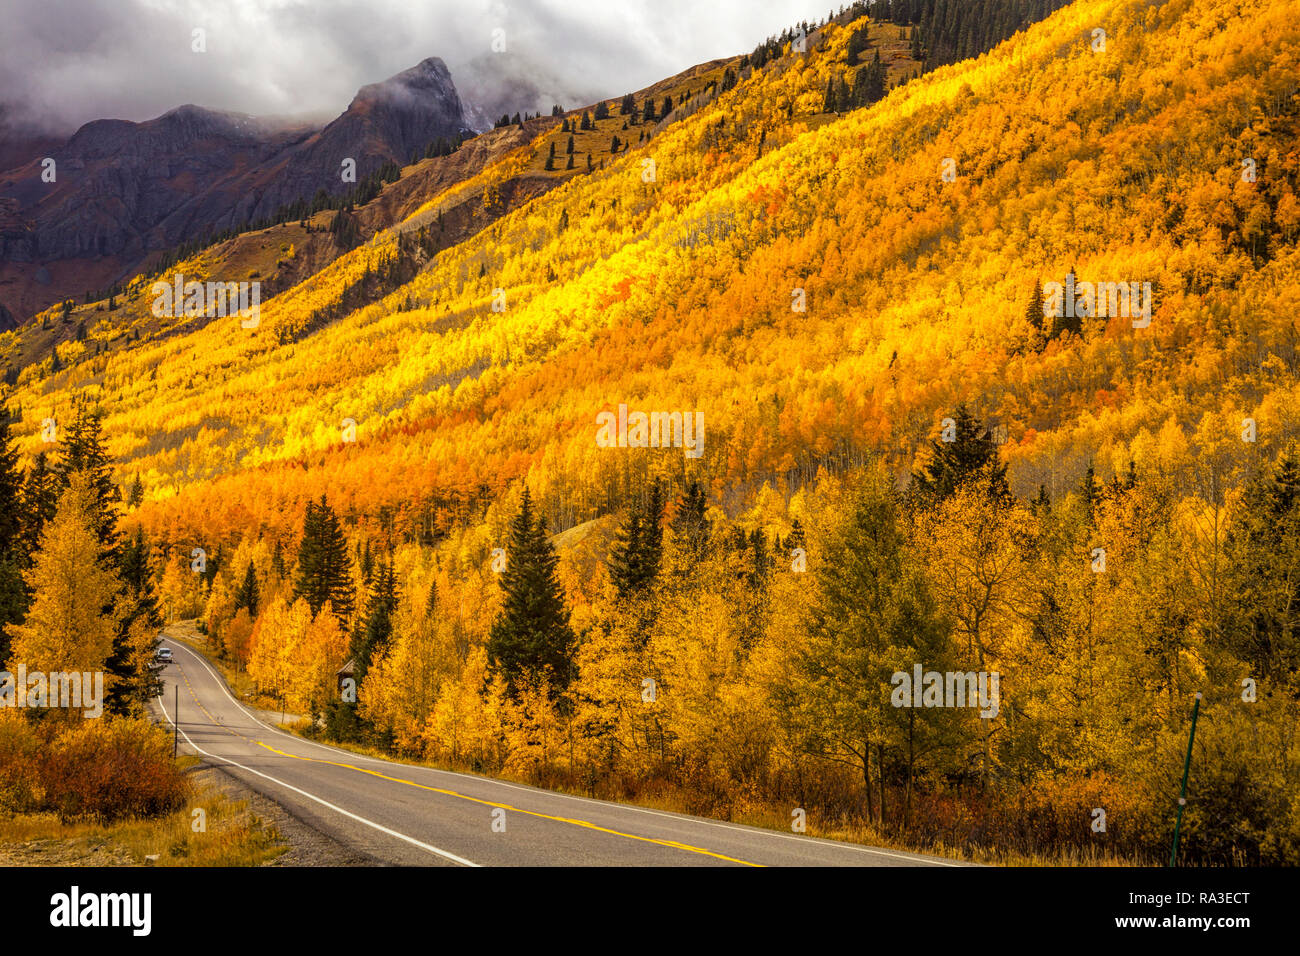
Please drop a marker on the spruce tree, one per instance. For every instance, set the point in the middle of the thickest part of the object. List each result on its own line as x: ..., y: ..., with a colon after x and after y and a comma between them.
x: 40, y: 498
x: 135, y: 494
x: 375, y: 628
x: 14, y: 553
x: 531, y: 637
x: 130, y: 679
x: 875, y: 81
x: 324, y: 572
x: 247, y: 596
x: 1263, y: 555
x: 82, y: 451
x: 843, y: 99
x: 690, y: 526
x: 796, y: 538
x: 858, y: 42
x: 972, y: 456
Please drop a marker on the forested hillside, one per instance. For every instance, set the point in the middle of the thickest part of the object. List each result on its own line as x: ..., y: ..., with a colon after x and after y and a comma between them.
x: 841, y: 265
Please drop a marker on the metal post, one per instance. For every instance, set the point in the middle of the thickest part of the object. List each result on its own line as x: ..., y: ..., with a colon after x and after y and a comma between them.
x: 1182, y: 795
x: 176, y: 716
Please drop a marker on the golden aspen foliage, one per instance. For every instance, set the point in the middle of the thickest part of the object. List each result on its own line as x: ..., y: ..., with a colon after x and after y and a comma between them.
x: 70, y: 626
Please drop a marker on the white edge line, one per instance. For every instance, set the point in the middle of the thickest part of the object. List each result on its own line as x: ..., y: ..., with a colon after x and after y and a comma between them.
x: 325, y: 803
x: 930, y: 861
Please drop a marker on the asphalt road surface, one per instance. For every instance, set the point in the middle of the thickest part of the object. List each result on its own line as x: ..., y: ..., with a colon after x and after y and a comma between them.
x: 400, y: 814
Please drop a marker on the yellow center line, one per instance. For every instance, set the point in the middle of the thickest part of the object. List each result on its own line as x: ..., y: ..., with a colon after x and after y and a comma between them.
x: 532, y: 813
x: 673, y: 844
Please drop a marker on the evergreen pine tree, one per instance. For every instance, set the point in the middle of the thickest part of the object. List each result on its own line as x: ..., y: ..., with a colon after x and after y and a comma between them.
x: 14, y: 553
x: 247, y: 595
x: 972, y: 456
x: 1037, y: 320
x: 690, y: 526
x: 375, y: 628
x: 859, y: 94
x: 531, y: 637
x: 1089, y: 491
x: 130, y: 679
x: 843, y: 99
x: 135, y: 494
x: 324, y: 573
x: 875, y: 81
x: 626, y: 569
x: 858, y: 42
x: 40, y: 498
x: 797, y: 538
x: 1263, y: 553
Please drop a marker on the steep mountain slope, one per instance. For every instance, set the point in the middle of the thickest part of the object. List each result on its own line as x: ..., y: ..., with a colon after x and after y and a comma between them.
x: 816, y: 257
x: 123, y: 190
x: 283, y: 255
x: 676, y: 293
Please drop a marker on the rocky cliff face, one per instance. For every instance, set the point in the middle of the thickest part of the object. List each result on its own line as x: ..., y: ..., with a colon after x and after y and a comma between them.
x: 385, y: 122
x: 126, y: 189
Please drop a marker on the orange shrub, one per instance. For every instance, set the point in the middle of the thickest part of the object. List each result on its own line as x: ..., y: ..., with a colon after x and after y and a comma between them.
x: 111, y: 769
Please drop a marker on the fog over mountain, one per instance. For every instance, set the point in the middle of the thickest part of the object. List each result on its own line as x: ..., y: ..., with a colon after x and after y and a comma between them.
x: 64, y: 63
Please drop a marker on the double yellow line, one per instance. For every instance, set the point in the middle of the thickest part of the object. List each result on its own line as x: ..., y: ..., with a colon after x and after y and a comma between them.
x: 585, y: 824
x: 572, y: 821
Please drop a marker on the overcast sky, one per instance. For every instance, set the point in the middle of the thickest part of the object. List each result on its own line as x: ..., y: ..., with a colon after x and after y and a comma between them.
x: 64, y: 62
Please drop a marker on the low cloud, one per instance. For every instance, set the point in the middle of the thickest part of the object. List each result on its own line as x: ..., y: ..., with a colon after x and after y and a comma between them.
x: 65, y: 62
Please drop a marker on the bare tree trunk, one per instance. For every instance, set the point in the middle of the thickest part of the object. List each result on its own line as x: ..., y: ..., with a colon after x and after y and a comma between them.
x: 866, y: 779
x: 880, y: 772
x: 911, y: 764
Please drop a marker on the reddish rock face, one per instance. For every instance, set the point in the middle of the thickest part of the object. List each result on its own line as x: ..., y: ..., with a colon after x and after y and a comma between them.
x: 124, y: 190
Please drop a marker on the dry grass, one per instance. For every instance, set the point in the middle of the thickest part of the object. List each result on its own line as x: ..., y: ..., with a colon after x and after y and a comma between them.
x: 234, y: 836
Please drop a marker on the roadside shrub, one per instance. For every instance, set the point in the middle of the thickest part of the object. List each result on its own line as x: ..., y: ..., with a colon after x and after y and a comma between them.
x: 20, y: 787
x: 108, y: 770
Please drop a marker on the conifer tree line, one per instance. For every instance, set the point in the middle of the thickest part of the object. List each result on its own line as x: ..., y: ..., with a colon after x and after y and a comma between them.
x: 702, y: 649
x: 76, y: 593
x: 941, y: 32
x: 765, y: 675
